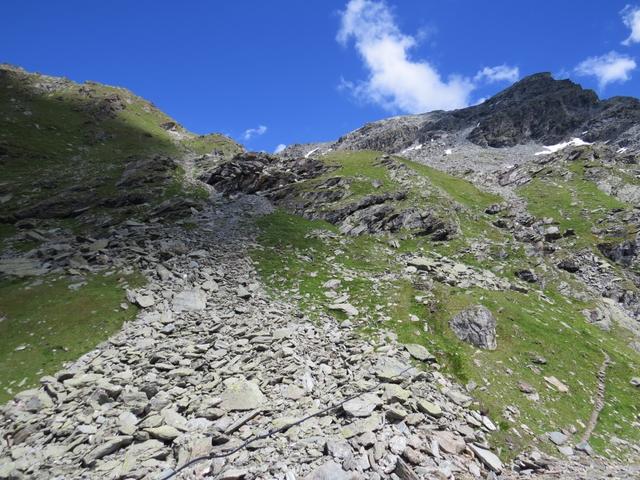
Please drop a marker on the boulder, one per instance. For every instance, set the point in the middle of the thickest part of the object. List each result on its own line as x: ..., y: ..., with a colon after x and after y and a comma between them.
x: 477, y: 326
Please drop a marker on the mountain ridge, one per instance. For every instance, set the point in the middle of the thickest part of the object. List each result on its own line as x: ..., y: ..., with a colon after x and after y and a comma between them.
x: 564, y: 107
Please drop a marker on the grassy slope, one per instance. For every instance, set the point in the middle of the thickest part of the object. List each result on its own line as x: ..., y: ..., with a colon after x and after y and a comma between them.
x: 51, y: 141
x: 45, y: 323
x: 295, y: 262
x: 570, y: 200
x: 57, y: 136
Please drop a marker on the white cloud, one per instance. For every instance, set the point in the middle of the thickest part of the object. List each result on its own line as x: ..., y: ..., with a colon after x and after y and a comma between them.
x: 396, y: 81
x: 499, y: 73
x: 280, y: 148
x: 631, y: 18
x: 608, y: 68
x: 254, y: 132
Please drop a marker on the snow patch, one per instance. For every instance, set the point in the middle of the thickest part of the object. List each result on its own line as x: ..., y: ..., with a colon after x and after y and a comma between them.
x: 306, y: 155
x: 621, y: 150
x: 412, y: 148
x: 574, y: 142
x: 448, y: 151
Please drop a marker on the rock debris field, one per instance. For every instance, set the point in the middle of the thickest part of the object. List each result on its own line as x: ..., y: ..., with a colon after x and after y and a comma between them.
x: 212, y: 361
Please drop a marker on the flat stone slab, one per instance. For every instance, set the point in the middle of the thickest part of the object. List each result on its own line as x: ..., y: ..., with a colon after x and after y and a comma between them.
x: 329, y: 471
x: 392, y: 370
x: 347, y: 308
x: 557, y: 384
x: 190, y: 300
x: 490, y: 459
x: 558, y: 438
x: 362, y: 406
x: 22, y: 267
x: 419, y: 352
x: 241, y: 394
x: 364, y: 425
x: 430, y: 408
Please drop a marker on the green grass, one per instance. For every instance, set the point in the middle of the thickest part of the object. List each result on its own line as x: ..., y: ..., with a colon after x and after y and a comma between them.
x: 460, y: 190
x: 527, y: 325
x: 573, y: 202
x: 360, y: 168
x: 55, y: 141
x: 204, y: 144
x: 290, y: 258
x: 295, y: 264
x: 56, y: 324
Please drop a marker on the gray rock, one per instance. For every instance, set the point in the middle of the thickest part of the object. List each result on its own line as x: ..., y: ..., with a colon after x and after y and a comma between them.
x: 450, y: 442
x: 210, y: 286
x: 397, y: 444
x: 392, y: 370
x: 142, y: 452
x: 243, y: 293
x: 404, y: 471
x: 34, y: 400
x: 585, y: 447
x: 164, y: 273
x: 477, y: 326
x: 419, y: 352
x: 190, y: 300
x: 9, y: 471
x: 395, y: 393
x: 338, y: 449
x: 241, y: 394
x: 127, y: 422
x: 106, y: 448
x: 233, y: 474
x: 361, y: 426
x: 488, y: 458
x: 429, y: 408
x: 165, y: 433
x: 22, y: 267
x: 144, y: 301
x: 458, y: 398
x: 566, y: 450
x: 328, y: 471
x: 362, y: 406
x: 558, y: 438
x: 345, y: 307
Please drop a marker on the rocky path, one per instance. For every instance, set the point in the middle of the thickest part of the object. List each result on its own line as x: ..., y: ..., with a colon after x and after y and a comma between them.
x: 599, y: 402
x: 211, y: 360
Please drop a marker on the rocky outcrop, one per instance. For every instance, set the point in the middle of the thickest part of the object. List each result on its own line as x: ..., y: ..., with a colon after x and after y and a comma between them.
x: 477, y: 326
x: 261, y: 172
x: 623, y: 253
x: 537, y: 108
x: 276, y: 177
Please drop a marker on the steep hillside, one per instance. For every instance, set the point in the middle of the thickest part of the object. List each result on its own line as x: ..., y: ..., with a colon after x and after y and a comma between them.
x: 392, y: 244
x: 465, y: 298
x: 78, y: 162
x: 88, y: 152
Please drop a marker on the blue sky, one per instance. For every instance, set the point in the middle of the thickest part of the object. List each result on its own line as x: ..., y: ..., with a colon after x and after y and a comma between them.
x: 286, y: 71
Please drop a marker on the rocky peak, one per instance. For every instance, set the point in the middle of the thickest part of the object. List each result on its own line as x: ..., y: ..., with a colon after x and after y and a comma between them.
x: 540, y: 87
x: 537, y: 109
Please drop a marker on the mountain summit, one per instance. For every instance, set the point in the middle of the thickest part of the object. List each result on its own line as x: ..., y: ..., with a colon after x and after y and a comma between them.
x: 537, y: 109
